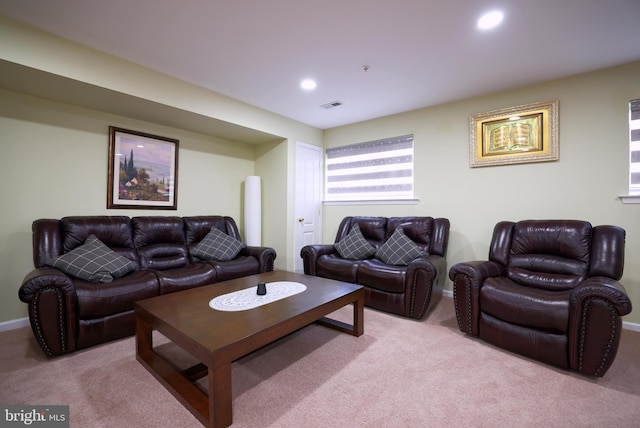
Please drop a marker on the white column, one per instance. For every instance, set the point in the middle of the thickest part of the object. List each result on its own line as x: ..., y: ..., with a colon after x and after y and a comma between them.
x: 252, y: 211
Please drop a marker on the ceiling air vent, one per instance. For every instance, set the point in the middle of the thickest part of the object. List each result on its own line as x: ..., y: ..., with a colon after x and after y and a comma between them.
x: 332, y: 104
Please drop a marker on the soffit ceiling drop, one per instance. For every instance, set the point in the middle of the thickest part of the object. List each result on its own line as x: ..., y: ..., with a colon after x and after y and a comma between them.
x: 420, y: 53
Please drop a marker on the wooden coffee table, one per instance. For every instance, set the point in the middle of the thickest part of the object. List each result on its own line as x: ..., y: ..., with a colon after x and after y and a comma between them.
x: 217, y: 338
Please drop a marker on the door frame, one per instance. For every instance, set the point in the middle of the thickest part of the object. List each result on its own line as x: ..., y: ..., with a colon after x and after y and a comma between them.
x: 298, y: 266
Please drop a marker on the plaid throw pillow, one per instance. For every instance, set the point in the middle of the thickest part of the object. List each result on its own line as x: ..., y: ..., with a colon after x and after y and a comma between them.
x: 217, y: 245
x: 398, y: 249
x: 93, y: 261
x: 354, y: 246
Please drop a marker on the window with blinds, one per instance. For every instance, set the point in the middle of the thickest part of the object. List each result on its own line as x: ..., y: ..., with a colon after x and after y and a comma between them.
x: 375, y: 170
x: 634, y: 147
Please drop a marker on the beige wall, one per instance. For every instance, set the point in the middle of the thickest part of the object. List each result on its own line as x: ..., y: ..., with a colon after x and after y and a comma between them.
x: 584, y: 184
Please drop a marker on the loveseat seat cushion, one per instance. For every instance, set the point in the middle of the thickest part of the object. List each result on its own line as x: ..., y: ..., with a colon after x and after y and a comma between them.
x: 530, y: 307
x: 381, y: 276
x: 97, y: 300
x: 333, y: 266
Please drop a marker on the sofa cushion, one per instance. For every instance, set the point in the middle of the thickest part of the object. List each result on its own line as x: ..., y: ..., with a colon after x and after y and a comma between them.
x: 333, y: 266
x: 93, y: 261
x: 115, y: 297
x: 218, y: 246
x: 236, y: 268
x: 354, y: 246
x: 376, y: 274
x: 398, y: 249
x: 525, y: 306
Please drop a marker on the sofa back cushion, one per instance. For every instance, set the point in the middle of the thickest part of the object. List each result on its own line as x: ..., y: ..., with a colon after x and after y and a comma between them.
x: 160, y: 241
x: 418, y: 229
x: 114, y: 231
x: 373, y: 229
x: 550, y: 254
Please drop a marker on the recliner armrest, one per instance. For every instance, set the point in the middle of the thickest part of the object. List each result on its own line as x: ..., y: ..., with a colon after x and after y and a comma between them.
x: 38, y: 279
x: 311, y: 253
x: 467, y: 279
x: 432, y: 263
x: 477, y: 270
x: 52, y: 300
x: 266, y: 257
x: 595, y: 324
x: 604, y: 288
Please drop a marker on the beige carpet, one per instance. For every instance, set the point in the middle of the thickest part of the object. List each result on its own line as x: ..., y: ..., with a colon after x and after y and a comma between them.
x: 400, y: 373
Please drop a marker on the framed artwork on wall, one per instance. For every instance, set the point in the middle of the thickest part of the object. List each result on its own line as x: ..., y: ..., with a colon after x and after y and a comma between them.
x: 521, y: 134
x: 143, y: 171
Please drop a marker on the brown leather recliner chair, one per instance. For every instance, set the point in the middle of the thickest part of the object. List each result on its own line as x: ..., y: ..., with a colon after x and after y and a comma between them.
x: 549, y: 291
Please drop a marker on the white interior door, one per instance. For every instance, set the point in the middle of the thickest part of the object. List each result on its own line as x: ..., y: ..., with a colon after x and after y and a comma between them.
x: 308, y: 202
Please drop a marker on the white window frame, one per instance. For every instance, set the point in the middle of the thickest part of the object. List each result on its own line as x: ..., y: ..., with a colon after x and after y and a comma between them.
x: 373, y: 172
x: 634, y: 154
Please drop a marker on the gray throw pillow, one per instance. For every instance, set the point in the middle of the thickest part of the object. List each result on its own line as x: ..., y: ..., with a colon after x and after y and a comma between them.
x: 217, y: 245
x: 93, y: 261
x: 398, y: 249
x: 355, y: 246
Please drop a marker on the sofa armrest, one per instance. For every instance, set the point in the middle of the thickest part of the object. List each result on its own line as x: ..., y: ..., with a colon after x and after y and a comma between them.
x: 52, y: 300
x: 467, y: 279
x: 310, y: 255
x: 593, y: 344
x: 266, y: 257
x: 604, y: 288
x: 424, y: 283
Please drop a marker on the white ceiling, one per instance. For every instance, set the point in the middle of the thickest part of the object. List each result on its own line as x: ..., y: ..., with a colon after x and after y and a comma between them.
x: 420, y: 52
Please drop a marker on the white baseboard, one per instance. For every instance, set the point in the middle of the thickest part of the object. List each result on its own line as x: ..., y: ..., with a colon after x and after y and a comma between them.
x: 625, y: 324
x: 13, y: 324
x: 630, y: 326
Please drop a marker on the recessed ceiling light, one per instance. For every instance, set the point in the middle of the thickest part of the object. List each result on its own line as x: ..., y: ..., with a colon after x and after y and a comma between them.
x: 308, y: 84
x: 490, y: 20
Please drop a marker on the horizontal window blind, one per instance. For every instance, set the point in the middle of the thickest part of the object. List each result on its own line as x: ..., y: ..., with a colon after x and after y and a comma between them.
x: 375, y: 170
x: 634, y: 146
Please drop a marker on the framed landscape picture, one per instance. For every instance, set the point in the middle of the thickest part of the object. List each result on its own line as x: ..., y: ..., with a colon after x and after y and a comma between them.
x: 522, y: 134
x: 143, y: 170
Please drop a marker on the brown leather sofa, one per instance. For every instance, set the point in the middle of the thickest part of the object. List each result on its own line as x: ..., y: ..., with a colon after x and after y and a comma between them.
x: 409, y: 290
x: 68, y: 313
x: 549, y: 291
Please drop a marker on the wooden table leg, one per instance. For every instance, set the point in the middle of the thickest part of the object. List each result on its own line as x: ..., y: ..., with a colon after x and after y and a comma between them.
x: 144, y: 341
x: 358, y: 316
x: 220, y: 396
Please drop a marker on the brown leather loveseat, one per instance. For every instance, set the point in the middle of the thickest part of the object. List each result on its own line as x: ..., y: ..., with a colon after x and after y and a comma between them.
x: 549, y: 291
x: 407, y: 280
x: 154, y: 255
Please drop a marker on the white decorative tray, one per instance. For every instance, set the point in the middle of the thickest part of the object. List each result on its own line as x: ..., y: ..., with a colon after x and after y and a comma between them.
x: 248, y: 298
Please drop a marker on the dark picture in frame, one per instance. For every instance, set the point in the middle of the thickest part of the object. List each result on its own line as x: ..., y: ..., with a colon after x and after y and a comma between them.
x: 143, y: 170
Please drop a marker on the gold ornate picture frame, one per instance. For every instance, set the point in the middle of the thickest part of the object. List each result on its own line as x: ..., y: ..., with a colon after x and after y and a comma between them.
x: 521, y: 134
